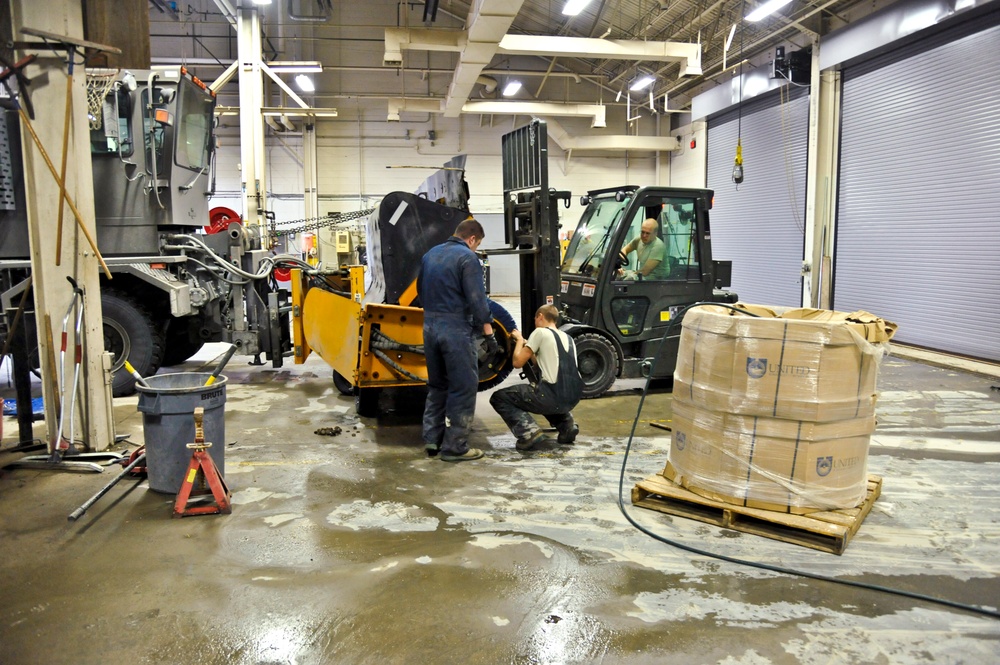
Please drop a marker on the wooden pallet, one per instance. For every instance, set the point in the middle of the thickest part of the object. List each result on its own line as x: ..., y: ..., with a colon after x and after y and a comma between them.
x: 827, y: 531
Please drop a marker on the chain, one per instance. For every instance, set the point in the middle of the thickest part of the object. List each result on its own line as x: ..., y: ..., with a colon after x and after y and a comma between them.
x: 316, y: 223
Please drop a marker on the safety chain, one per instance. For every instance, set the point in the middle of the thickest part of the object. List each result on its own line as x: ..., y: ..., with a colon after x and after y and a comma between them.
x: 316, y: 223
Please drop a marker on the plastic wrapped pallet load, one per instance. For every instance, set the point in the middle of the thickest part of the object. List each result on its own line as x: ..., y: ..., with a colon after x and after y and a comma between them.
x: 776, y: 411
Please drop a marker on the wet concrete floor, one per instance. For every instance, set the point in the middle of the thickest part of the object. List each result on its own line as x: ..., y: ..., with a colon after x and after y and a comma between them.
x: 357, y: 548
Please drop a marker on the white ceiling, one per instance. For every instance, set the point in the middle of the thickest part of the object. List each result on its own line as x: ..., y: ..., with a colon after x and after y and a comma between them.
x: 490, y: 41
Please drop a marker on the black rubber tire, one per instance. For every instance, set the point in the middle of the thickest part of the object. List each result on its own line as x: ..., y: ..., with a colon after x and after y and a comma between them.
x: 130, y: 332
x: 366, y: 402
x: 598, y: 363
x: 503, y: 323
x: 179, y: 345
x: 342, y: 384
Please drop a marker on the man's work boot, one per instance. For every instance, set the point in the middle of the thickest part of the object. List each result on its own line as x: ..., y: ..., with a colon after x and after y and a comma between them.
x: 528, y: 442
x: 470, y: 454
x: 567, y: 434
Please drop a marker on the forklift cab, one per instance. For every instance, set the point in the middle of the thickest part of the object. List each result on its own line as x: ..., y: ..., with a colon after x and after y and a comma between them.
x: 635, y: 260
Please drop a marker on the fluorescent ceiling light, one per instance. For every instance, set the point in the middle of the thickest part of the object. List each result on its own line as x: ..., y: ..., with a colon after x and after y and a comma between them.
x: 511, y: 88
x: 305, y: 83
x: 642, y: 82
x: 574, y: 7
x: 261, y: 2
x: 296, y: 67
x: 766, y: 9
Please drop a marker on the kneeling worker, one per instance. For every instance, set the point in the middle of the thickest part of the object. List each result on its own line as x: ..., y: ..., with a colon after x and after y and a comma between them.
x: 553, y: 394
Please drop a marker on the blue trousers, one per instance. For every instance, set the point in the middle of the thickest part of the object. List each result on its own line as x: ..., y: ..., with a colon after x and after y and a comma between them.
x: 452, y: 382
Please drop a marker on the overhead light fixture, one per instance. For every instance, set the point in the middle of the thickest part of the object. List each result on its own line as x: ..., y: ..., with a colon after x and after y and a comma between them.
x: 511, y: 88
x: 261, y: 2
x: 766, y: 9
x: 305, y: 83
x: 641, y: 82
x: 296, y: 67
x: 574, y: 7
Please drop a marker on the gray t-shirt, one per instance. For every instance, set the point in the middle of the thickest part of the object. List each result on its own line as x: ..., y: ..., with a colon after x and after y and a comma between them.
x: 543, y: 344
x: 653, y: 250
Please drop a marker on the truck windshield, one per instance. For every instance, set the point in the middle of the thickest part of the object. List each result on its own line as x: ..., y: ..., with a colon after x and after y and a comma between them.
x: 195, y: 109
x: 589, y: 243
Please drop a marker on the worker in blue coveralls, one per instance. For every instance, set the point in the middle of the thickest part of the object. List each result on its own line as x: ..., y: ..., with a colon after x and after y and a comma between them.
x: 456, y: 314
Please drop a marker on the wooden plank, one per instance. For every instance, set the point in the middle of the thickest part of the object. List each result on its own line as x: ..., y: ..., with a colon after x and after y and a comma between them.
x: 828, y: 531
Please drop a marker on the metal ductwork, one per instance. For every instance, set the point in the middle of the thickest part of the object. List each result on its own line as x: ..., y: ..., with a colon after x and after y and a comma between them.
x: 688, y: 55
x: 413, y: 106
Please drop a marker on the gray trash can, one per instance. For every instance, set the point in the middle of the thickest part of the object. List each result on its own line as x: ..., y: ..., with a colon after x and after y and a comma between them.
x: 167, y: 408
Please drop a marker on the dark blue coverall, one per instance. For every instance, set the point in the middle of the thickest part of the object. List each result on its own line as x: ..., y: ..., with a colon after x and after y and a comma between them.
x: 452, y: 293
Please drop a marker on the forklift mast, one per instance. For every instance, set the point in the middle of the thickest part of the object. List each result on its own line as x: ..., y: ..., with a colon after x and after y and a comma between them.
x: 531, y: 217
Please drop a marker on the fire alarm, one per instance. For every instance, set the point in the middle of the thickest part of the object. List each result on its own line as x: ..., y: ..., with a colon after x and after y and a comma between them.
x: 692, y: 144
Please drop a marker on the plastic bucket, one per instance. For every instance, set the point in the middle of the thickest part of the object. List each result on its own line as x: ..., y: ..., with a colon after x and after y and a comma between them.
x: 167, y: 408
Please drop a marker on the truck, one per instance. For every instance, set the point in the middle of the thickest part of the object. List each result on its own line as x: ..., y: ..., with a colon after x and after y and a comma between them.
x: 624, y: 322
x: 172, y: 289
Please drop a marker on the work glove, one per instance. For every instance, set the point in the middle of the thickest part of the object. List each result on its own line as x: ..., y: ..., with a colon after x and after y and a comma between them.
x: 492, y: 347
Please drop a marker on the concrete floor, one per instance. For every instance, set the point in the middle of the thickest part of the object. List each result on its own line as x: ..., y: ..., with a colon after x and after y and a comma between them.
x: 359, y: 549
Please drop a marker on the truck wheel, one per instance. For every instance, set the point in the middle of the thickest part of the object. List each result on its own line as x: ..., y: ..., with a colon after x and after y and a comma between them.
x: 366, y: 402
x: 179, y: 346
x: 129, y: 334
x: 598, y: 364
x: 342, y: 384
x: 503, y: 323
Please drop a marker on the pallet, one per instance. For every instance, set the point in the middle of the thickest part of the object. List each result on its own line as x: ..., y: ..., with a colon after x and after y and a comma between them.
x: 828, y: 531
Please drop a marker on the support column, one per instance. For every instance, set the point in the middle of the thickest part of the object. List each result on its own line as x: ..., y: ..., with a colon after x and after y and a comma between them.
x: 821, y: 185
x: 310, y: 169
x: 254, y: 175
x: 52, y: 292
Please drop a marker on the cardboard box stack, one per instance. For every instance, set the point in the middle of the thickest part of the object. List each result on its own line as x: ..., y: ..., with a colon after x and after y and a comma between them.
x: 776, y: 411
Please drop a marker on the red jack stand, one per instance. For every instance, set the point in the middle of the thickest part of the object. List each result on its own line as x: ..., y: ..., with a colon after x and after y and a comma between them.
x: 202, y: 469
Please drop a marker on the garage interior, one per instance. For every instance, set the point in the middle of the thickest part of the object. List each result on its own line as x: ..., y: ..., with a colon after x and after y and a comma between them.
x: 865, y: 136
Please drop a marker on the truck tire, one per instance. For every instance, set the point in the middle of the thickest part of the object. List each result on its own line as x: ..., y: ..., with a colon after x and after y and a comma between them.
x: 179, y: 345
x: 130, y: 333
x: 503, y: 323
x: 344, y: 386
x: 598, y: 364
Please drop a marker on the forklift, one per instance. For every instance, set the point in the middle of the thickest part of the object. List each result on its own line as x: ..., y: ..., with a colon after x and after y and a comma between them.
x: 616, y: 310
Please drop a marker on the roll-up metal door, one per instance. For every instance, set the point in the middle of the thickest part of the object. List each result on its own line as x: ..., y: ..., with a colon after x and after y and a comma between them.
x: 759, y: 224
x: 918, y: 220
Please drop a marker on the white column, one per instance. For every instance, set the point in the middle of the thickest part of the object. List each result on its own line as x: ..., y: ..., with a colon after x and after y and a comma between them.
x: 253, y: 174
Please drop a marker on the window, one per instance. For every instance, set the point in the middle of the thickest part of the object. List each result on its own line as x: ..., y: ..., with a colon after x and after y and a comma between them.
x: 115, y: 131
x: 195, y: 113
x: 680, y: 234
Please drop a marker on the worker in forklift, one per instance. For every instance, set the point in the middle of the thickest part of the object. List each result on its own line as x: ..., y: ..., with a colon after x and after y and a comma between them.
x: 554, y: 388
x: 650, y: 252
x: 456, y: 312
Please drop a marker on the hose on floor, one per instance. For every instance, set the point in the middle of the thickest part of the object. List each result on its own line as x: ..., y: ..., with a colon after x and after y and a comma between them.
x: 756, y: 564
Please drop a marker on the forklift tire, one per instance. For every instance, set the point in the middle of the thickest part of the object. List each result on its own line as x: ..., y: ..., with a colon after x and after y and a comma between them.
x: 366, y: 402
x: 598, y: 364
x: 342, y: 384
x: 179, y: 346
x: 129, y: 333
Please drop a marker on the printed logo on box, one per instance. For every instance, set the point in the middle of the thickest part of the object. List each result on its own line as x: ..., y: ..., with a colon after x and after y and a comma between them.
x: 756, y: 367
x: 824, y: 465
x: 680, y: 440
